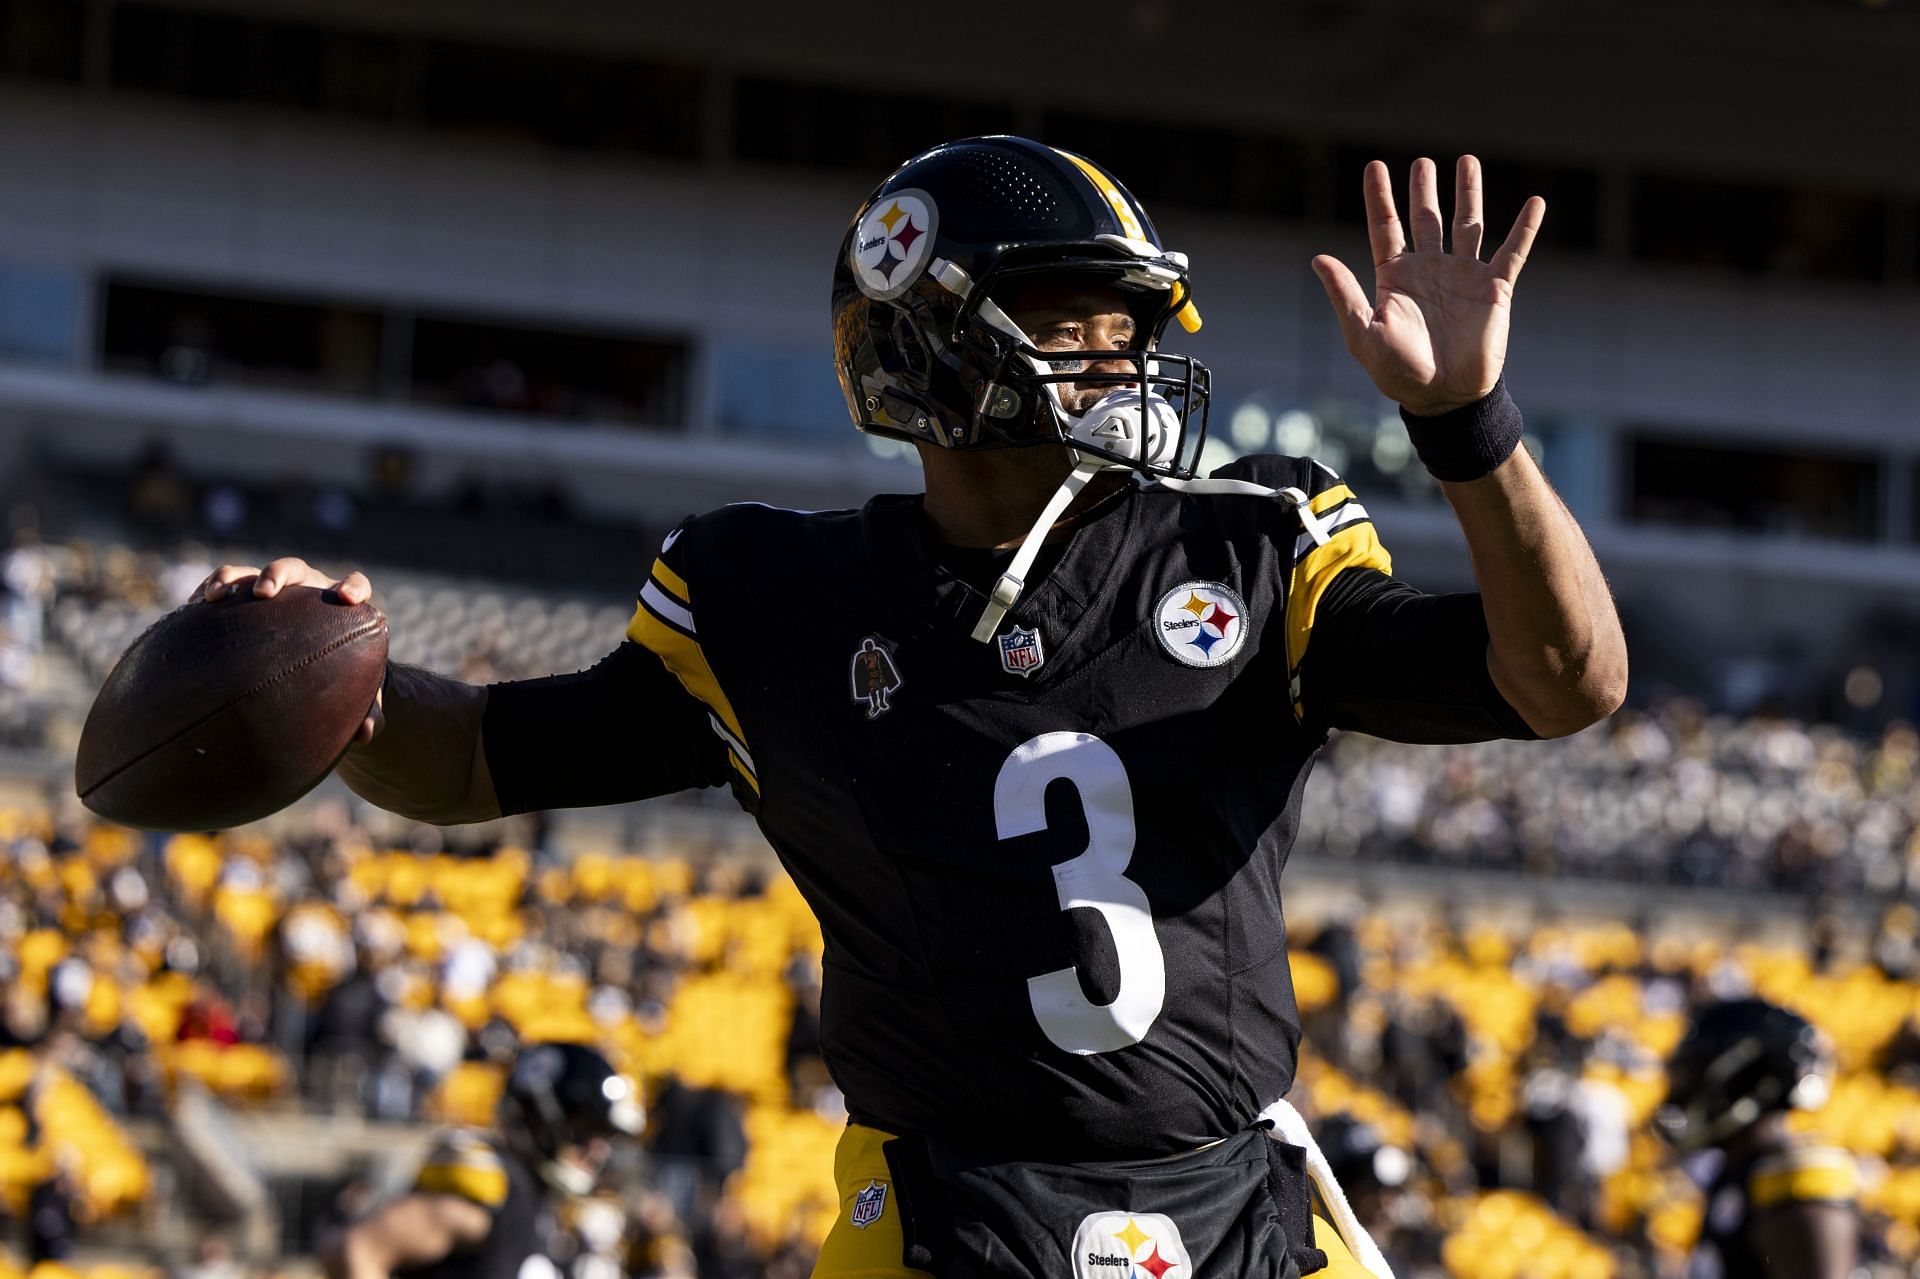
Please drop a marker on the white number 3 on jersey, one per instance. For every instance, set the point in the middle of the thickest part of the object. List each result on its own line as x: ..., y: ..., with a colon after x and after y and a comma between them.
x: 1096, y: 879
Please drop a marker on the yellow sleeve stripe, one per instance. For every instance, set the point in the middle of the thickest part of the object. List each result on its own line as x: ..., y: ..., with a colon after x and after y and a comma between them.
x: 1354, y: 546
x: 677, y: 648
x: 675, y: 585
x: 1325, y: 500
x: 1832, y: 1181
x: 484, y: 1186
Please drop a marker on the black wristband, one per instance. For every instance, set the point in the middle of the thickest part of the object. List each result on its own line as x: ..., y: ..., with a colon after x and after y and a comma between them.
x: 1467, y: 443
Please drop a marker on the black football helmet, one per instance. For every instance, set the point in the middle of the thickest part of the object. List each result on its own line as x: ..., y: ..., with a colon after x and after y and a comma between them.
x: 558, y: 1099
x: 1743, y: 1058
x: 923, y: 352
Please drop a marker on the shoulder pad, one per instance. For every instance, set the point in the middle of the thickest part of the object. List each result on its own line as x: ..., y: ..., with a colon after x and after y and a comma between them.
x: 1278, y: 471
x: 467, y: 1165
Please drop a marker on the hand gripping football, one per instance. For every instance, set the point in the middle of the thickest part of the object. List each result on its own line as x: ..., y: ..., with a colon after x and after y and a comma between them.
x: 224, y: 712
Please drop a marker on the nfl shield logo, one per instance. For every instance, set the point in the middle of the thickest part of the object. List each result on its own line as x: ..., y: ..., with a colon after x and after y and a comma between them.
x: 1020, y: 652
x: 869, y: 1204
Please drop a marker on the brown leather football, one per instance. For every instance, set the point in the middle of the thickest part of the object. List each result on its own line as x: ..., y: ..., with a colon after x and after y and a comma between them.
x: 224, y: 712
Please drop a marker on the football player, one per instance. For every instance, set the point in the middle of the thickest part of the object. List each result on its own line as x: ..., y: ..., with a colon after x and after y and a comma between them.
x: 1779, y: 1204
x: 479, y: 1206
x: 1033, y: 742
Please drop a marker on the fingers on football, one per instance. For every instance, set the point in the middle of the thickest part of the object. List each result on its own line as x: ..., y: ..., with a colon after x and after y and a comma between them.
x: 1468, y: 228
x: 287, y: 571
x: 1383, y: 220
x: 1349, y: 301
x: 1512, y: 256
x: 221, y: 581
x: 1423, y: 208
x: 354, y: 588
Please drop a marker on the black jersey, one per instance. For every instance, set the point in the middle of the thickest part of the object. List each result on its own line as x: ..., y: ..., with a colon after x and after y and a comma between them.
x: 479, y: 1168
x: 1801, y: 1170
x: 1047, y: 868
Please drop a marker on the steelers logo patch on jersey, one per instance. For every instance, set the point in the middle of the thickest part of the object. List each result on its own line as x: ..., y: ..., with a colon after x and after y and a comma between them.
x: 1129, y: 1245
x: 894, y: 242
x: 1201, y: 623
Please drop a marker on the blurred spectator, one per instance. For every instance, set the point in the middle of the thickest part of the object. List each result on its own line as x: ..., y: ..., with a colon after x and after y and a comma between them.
x: 26, y: 588
x: 342, y: 1046
x: 213, y: 1259
x: 697, y: 1143
x: 50, y: 1213
x: 158, y: 496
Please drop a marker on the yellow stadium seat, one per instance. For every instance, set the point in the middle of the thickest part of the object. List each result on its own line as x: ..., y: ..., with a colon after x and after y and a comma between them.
x: 16, y: 1072
x: 468, y: 1095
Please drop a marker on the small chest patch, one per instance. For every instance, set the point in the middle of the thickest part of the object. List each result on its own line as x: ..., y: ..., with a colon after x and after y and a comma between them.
x: 1201, y: 623
x: 1129, y: 1245
x: 869, y: 1204
x: 1020, y: 652
x: 875, y: 677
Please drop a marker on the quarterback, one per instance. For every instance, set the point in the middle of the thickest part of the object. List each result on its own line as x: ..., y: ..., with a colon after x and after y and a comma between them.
x: 1033, y: 742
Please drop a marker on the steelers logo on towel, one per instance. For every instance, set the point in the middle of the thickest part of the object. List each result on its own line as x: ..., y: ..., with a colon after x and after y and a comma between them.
x: 894, y: 243
x: 1201, y: 623
x: 1129, y: 1245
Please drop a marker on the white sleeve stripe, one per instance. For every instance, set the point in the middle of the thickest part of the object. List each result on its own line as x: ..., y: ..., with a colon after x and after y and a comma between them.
x: 734, y: 744
x: 666, y: 608
x: 1344, y: 514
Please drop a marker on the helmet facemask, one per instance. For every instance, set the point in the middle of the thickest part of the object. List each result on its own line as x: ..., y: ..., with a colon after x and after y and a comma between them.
x: 1153, y: 418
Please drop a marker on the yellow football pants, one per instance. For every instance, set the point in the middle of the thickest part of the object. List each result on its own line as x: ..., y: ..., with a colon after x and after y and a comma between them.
x: 874, y: 1251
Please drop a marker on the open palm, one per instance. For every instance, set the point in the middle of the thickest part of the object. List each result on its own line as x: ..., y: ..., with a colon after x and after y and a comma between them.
x: 1434, y: 337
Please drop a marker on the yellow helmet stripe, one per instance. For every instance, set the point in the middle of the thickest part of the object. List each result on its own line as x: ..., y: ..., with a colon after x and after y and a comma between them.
x: 1187, y: 313
x: 1122, y: 209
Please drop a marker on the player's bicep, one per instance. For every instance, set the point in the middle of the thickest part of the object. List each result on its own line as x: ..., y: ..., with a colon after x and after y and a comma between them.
x: 1807, y: 1240
x: 1387, y: 659
x: 623, y: 730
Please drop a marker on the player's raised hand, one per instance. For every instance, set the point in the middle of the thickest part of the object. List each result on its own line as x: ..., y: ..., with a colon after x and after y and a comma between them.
x: 1434, y: 337
x: 267, y: 582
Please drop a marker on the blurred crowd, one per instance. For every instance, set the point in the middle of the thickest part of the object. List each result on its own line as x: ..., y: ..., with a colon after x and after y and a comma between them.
x: 1670, y: 795
x: 1486, y: 1091
x: 323, y: 971
x: 1483, y: 1089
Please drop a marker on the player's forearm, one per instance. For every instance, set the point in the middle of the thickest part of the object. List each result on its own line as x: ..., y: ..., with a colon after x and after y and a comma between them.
x: 1556, y: 652
x: 426, y: 762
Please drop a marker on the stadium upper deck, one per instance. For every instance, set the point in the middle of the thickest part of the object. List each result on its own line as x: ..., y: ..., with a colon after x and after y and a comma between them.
x: 592, y: 247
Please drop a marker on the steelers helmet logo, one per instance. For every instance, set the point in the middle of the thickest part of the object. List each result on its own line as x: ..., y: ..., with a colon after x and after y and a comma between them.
x: 893, y: 243
x: 1201, y: 623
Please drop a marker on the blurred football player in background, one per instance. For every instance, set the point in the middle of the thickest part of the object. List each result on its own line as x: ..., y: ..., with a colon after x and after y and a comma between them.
x: 1779, y: 1204
x: 480, y: 1205
x: 1033, y: 743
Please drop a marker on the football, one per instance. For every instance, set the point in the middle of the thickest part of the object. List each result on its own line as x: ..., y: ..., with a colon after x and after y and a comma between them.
x: 222, y: 713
